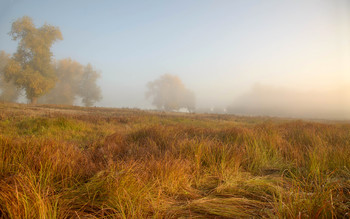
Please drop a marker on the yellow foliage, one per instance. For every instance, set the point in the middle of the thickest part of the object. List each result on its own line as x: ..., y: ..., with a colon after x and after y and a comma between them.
x: 31, y: 67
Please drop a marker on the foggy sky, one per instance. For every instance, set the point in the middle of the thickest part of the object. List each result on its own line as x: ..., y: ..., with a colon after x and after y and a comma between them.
x: 268, y: 100
x: 219, y: 49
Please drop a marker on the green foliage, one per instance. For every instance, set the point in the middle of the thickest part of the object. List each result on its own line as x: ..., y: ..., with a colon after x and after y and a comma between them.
x: 43, y: 126
x: 31, y: 68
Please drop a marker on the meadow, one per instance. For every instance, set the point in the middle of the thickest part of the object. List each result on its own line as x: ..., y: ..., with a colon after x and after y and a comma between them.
x: 77, y: 162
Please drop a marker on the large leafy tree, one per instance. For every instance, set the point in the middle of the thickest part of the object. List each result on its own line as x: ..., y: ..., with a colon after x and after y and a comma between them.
x: 169, y: 93
x: 69, y: 75
x: 31, y: 67
x: 73, y: 81
x: 8, y: 91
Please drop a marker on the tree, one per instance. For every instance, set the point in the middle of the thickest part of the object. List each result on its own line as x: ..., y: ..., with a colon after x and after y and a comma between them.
x: 169, y: 93
x: 69, y: 75
x: 9, y: 92
x: 31, y: 67
x: 73, y: 81
x: 89, y: 91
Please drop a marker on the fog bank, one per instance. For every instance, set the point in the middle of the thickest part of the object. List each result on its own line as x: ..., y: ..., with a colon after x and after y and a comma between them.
x: 266, y: 100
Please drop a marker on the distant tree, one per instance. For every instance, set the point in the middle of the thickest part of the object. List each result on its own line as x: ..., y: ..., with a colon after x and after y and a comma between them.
x: 73, y: 81
x: 189, y: 100
x: 31, y: 68
x: 169, y: 93
x: 8, y: 91
x: 89, y: 91
x: 69, y: 75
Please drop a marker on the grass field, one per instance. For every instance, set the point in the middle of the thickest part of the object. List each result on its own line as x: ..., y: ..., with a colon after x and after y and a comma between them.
x: 75, y: 162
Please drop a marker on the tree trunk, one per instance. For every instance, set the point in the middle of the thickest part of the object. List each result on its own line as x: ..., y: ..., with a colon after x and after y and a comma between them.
x: 33, y: 100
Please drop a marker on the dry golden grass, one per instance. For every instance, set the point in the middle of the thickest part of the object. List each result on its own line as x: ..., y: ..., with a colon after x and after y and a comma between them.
x: 75, y: 162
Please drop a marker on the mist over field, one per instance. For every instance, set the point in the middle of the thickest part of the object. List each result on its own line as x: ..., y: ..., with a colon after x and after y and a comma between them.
x: 279, y: 101
x: 270, y: 58
x: 175, y: 109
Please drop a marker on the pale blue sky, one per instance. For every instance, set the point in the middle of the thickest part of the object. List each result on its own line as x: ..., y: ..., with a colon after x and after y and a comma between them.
x: 220, y: 49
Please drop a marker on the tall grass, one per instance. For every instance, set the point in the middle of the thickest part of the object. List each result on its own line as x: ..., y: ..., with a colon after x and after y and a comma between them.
x: 105, y: 163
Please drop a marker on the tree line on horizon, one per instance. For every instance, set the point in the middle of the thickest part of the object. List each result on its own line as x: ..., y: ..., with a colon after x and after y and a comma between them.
x: 32, y: 71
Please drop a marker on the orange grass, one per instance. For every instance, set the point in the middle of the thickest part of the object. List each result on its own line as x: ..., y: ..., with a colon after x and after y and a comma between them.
x: 74, y: 162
